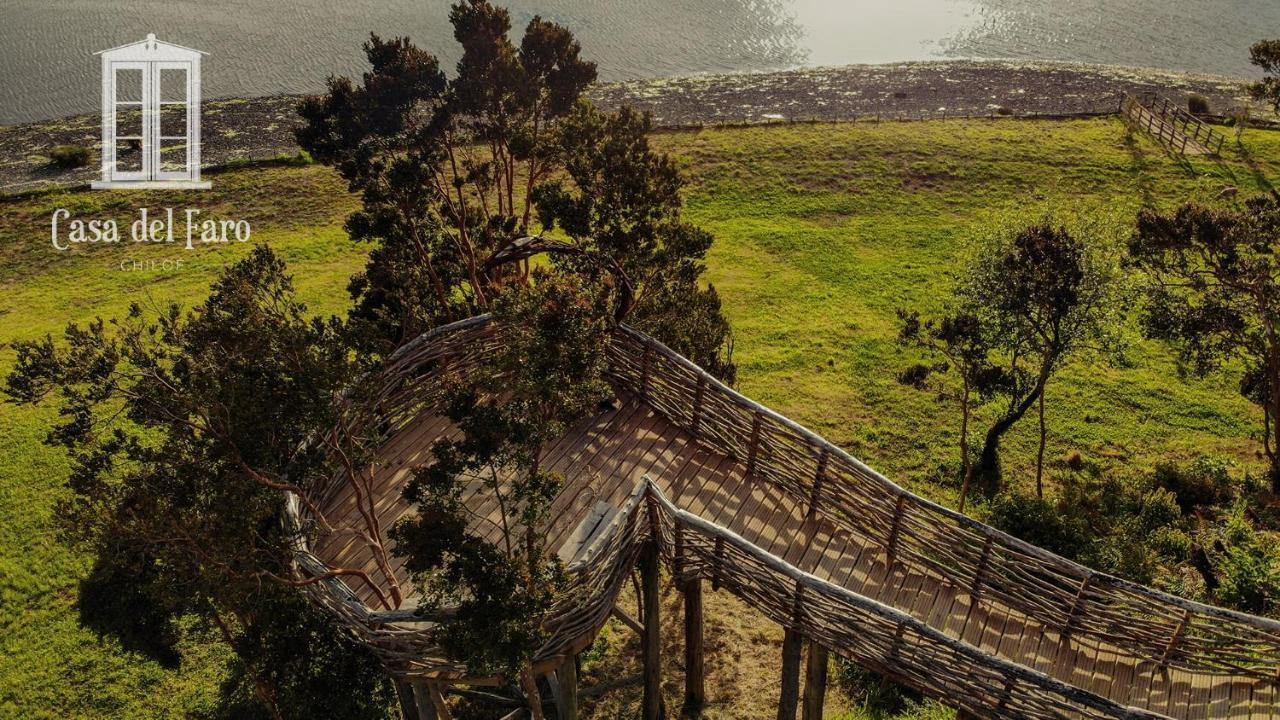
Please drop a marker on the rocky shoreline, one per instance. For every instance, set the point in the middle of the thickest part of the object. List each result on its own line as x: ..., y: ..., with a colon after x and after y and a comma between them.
x: 244, y: 130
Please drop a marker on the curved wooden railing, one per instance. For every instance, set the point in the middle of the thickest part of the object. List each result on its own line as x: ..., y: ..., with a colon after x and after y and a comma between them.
x: 1064, y: 596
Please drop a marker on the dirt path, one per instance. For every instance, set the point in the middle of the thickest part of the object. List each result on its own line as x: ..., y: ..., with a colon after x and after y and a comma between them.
x: 240, y: 130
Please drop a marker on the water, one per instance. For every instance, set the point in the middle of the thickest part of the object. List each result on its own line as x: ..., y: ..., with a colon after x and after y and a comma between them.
x: 257, y: 47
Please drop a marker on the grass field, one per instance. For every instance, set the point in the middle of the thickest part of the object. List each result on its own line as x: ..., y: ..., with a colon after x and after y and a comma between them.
x: 822, y: 232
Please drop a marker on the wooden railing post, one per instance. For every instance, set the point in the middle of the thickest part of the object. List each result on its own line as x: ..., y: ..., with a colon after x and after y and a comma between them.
x: 982, y: 568
x: 645, y: 361
x: 815, y: 682
x: 1076, y: 604
x: 697, y: 404
x: 719, y: 562
x: 754, y: 448
x: 1177, y: 635
x: 651, y: 706
x: 695, y: 691
x: 819, y: 477
x: 892, y: 545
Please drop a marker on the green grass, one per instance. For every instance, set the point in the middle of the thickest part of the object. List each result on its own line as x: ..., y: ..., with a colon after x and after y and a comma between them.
x: 822, y: 232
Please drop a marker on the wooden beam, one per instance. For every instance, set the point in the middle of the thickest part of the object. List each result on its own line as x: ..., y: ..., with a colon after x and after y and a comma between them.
x: 408, y: 702
x: 792, y: 643
x: 567, y: 680
x: 815, y: 682
x: 438, y: 703
x: 651, y: 708
x: 422, y: 701
x: 695, y: 690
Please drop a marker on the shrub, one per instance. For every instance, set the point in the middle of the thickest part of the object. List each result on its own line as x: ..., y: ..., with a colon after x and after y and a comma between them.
x: 1248, y: 568
x: 1202, y: 484
x: 876, y: 695
x: 1198, y: 104
x: 1057, y: 527
x: 70, y: 156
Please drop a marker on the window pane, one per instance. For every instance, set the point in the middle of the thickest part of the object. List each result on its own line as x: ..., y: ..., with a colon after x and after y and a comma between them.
x: 173, y: 85
x: 173, y: 121
x: 173, y: 156
x: 129, y: 156
x: 128, y: 85
x: 128, y: 121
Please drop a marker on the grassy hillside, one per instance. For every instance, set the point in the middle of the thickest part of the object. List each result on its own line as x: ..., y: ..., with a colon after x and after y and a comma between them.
x: 823, y: 231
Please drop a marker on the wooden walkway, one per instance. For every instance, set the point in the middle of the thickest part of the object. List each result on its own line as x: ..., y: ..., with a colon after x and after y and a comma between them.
x: 605, y: 456
x: 1171, y: 126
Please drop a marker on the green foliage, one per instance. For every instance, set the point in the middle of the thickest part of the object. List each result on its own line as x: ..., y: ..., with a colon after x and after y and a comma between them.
x: 1214, y: 293
x: 70, y: 156
x: 877, y: 696
x: 452, y: 172
x: 1248, y: 562
x: 1265, y: 55
x: 547, y: 373
x: 1198, y: 104
x: 1203, y: 483
x: 179, y: 431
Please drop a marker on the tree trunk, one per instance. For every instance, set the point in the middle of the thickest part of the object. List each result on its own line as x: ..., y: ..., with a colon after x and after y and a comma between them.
x: 966, y: 463
x: 1040, y: 453
x: 988, y: 470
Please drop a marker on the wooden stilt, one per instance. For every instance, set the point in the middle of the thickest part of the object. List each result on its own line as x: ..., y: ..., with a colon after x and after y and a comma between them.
x: 815, y: 682
x: 695, y: 691
x: 408, y: 703
x: 529, y: 684
x: 438, y: 704
x: 792, y: 643
x: 652, y: 705
x: 422, y: 701
x: 567, y: 681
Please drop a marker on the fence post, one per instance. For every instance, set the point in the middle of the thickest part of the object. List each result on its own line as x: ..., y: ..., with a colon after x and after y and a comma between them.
x: 819, y: 478
x: 815, y: 682
x: 755, y: 445
x: 651, y: 707
x: 695, y: 692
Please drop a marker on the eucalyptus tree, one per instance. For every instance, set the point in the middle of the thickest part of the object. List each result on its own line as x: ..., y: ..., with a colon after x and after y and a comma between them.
x: 1265, y: 55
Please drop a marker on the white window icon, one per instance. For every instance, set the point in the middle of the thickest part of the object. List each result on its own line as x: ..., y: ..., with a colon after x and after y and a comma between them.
x: 151, y: 116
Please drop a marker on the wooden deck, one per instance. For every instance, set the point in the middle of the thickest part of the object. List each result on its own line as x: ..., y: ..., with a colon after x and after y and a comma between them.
x: 603, y: 458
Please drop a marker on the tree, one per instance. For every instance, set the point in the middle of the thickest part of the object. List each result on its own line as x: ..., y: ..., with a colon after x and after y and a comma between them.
x: 183, y: 431
x: 454, y: 172
x: 960, y: 340
x: 1265, y: 54
x: 1044, y: 295
x: 1214, y: 293
x: 499, y: 574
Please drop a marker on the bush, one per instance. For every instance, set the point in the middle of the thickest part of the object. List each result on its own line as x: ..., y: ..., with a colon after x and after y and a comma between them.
x: 70, y: 156
x: 1204, y: 483
x: 1057, y: 527
x: 876, y: 695
x: 1198, y: 104
x: 1248, y: 568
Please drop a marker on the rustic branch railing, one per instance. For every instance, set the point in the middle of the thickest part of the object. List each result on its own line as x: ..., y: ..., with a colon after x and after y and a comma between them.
x: 1061, y: 595
x: 1170, y: 125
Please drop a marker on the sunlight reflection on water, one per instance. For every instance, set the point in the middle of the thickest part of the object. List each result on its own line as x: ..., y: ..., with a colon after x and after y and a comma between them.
x: 261, y: 47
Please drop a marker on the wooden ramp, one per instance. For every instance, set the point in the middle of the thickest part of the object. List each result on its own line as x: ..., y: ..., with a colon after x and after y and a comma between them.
x: 1171, y: 126
x: 762, y: 508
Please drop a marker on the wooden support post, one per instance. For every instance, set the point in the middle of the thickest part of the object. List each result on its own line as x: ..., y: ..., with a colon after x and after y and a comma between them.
x: 792, y: 643
x: 982, y: 568
x: 695, y: 690
x: 715, y: 571
x: 1173, y: 641
x: 567, y: 681
x: 409, y: 708
x: 423, y: 702
x: 438, y: 704
x: 651, y: 708
x: 644, y: 370
x: 815, y: 682
x: 1077, y: 604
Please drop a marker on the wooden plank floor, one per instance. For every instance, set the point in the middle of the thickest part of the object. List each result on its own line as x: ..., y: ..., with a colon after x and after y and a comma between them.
x: 604, y: 457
